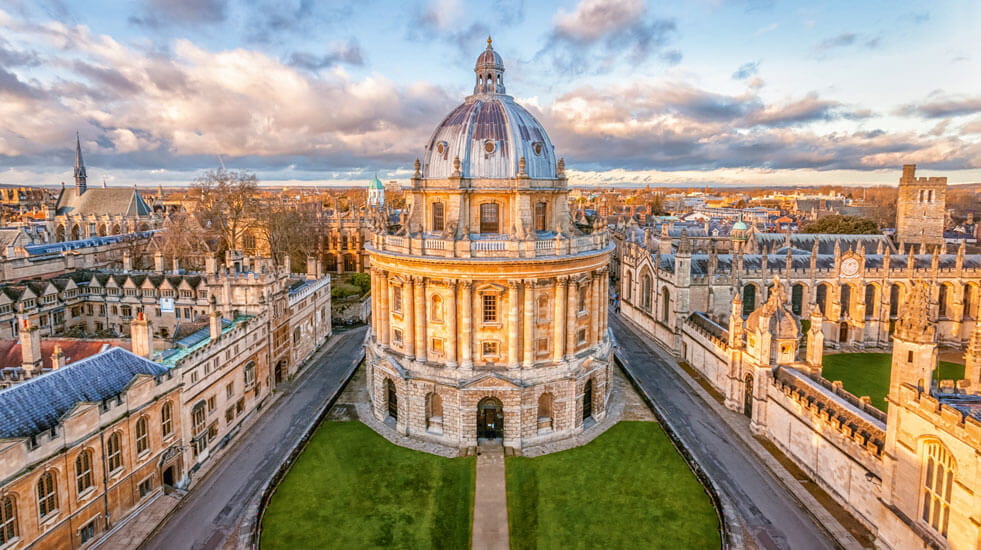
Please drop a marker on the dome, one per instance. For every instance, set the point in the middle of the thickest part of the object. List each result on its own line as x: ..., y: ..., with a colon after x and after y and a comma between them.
x: 490, y: 133
x: 739, y: 226
x: 375, y: 183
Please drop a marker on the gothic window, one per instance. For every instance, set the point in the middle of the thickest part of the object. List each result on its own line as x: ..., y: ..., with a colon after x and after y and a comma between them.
x: 647, y: 291
x: 822, y: 298
x: 489, y: 218
x: 397, y: 299
x: 142, y: 437
x: 8, y: 520
x: 542, y: 308
x: 436, y: 309
x: 197, y: 418
x: 47, y: 496
x: 83, y: 471
x: 489, y: 309
x: 894, y: 292
x: 846, y: 300
x: 938, y: 480
x: 665, y: 304
x: 391, y: 397
x: 969, y: 301
x: 749, y: 299
x: 114, y: 452
x: 942, y: 301
x: 167, y: 417
x: 437, y: 216
x: 870, y: 301
x: 540, y: 220
x: 797, y: 299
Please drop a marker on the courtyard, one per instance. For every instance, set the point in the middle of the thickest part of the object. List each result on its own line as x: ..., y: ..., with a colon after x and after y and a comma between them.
x: 868, y: 373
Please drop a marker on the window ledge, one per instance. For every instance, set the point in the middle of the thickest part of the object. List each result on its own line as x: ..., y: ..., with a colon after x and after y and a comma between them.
x: 84, y: 495
x: 144, y: 454
x: 50, y: 517
x: 117, y: 471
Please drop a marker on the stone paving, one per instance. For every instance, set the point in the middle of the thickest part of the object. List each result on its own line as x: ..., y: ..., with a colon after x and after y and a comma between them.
x: 490, y: 506
x: 133, y: 530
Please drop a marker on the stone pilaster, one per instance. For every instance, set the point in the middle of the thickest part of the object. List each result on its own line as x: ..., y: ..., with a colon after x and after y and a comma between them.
x: 514, y: 347
x: 571, y: 324
x: 451, y: 327
x: 528, y: 338
x: 420, y: 316
x: 408, y: 316
x: 558, y: 319
x: 466, y: 325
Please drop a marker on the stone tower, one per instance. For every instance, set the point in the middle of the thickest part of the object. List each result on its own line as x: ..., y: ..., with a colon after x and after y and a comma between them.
x: 489, y: 304
x: 920, y: 208
x: 914, y: 351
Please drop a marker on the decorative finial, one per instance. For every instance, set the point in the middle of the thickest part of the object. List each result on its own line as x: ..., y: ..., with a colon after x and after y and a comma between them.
x: 489, y: 42
x: 561, y: 167
x: 418, y: 167
x: 522, y: 166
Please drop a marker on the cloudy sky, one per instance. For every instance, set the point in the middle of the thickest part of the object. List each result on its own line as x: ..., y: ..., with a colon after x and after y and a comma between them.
x: 689, y: 92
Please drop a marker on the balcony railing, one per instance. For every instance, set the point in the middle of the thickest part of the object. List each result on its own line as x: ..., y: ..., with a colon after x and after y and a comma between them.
x: 491, y: 248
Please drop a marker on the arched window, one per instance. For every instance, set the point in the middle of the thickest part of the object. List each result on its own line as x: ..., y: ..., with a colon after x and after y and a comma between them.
x: 8, y: 520
x: 331, y: 262
x: 142, y: 437
x: 545, y: 405
x: 167, y: 419
x: 942, y: 301
x: 846, y: 300
x: 434, y: 412
x: 822, y: 298
x: 583, y: 298
x: 437, y: 216
x: 541, y: 209
x: 489, y: 218
x: 391, y: 398
x: 543, y: 308
x: 749, y: 299
x: 797, y: 299
x: 894, y: 293
x: 645, y: 288
x: 938, y: 480
x: 436, y: 309
x: 47, y: 495
x: 665, y: 304
x: 587, y: 401
x: 969, y: 294
x: 83, y: 471
x: 114, y: 451
x: 871, y: 305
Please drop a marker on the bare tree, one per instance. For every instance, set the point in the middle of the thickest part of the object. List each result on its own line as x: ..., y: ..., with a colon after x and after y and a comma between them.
x: 290, y: 231
x: 225, y: 202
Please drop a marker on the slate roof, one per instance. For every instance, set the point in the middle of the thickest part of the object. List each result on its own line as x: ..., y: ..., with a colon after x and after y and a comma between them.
x: 968, y: 405
x: 826, y: 242
x: 38, y: 405
x: 112, y: 201
x: 64, y: 246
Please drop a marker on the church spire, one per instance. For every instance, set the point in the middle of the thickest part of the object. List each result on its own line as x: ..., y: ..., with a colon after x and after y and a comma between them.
x: 80, y: 177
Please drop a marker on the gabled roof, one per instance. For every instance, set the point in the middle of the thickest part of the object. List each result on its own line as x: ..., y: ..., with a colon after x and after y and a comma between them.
x: 112, y: 201
x: 39, y: 404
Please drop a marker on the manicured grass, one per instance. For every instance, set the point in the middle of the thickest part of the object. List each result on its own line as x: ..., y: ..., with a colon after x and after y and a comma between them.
x: 868, y: 373
x: 629, y: 488
x: 353, y: 489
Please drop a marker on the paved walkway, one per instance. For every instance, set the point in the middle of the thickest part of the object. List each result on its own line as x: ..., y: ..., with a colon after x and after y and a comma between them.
x: 210, y: 514
x: 766, y: 513
x: 490, y: 503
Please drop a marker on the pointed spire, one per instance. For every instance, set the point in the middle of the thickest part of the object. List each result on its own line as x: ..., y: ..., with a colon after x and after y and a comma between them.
x: 914, y: 324
x: 80, y: 176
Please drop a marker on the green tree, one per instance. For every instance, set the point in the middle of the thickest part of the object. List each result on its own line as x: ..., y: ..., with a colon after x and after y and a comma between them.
x: 842, y: 225
x: 362, y: 281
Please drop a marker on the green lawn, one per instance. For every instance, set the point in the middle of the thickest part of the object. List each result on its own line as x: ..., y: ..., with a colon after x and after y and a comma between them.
x: 868, y: 373
x: 353, y: 489
x: 629, y: 488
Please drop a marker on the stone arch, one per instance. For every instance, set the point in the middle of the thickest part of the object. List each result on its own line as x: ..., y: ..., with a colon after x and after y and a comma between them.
x: 797, y: 293
x: 821, y: 297
x: 436, y: 308
x: 846, y: 299
x: 970, y: 300
x: 60, y: 233
x: 871, y: 300
x: 665, y: 304
x: 749, y: 294
x: 896, y: 293
x: 490, y: 418
x: 647, y: 290
x: 76, y: 233
x: 546, y: 412
x: 101, y: 230
x: 945, y: 297
x: 587, y: 400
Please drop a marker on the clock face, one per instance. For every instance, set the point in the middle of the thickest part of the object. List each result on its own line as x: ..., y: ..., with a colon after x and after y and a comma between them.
x: 849, y: 267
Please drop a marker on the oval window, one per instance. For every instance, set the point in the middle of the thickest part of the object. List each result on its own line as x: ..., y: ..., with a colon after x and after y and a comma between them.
x: 489, y: 146
x: 441, y: 147
x: 537, y: 148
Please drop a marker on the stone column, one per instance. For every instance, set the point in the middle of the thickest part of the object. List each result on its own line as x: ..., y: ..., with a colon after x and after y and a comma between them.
x: 559, y: 318
x: 451, y: 327
x: 408, y: 317
x: 384, y: 311
x: 605, y: 304
x: 572, y: 312
x: 513, y: 345
x: 421, y: 314
x: 528, y: 338
x: 466, y: 329
x: 595, y: 309
x: 375, y: 304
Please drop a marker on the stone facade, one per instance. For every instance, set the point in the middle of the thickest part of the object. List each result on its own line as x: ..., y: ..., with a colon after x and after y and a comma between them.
x: 489, y: 304
x: 921, y: 209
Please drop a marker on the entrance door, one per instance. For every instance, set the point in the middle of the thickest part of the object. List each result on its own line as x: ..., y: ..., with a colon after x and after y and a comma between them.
x: 278, y: 373
x: 587, y: 401
x: 393, y: 399
x: 748, y: 396
x: 843, y: 333
x: 490, y: 418
x: 168, y: 477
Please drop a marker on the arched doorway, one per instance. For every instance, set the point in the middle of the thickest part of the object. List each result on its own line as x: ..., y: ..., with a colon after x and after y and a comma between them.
x: 392, y: 399
x: 748, y: 396
x: 280, y: 371
x: 843, y: 333
x: 587, y: 401
x: 490, y: 418
x: 168, y: 477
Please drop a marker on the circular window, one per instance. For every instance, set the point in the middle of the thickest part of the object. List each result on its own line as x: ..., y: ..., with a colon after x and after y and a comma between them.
x: 489, y: 146
x: 537, y: 148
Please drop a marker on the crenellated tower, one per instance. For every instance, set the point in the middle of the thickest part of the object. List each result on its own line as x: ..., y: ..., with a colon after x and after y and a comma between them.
x: 920, y: 209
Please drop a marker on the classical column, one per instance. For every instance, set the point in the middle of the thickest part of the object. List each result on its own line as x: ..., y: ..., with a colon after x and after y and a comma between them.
x: 558, y: 319
x: 421, y: 314
x: 375, y: 304
x: 513, y: 346
x: 572, y: 312
x: 466, y: 330
x: 408, y: 317
x: 595, y: 309
x: 605, y: 304
x: 385, y: 310
x: 451, y: 328
x: 528, y: 338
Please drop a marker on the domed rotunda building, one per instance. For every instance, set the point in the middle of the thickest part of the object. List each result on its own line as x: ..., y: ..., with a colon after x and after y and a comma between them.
x: 490, y: 304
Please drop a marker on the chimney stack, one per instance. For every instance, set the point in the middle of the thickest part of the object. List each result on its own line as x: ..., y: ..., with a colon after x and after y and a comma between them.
x: 211, y: 265
x: 311, y: 267
x: 214, y: 320
x: 141, y: 334
x: 127, y: 261
x: 57, y: 358
x: 158, y: 262
x: 30, y: 348
x: 177, y: 265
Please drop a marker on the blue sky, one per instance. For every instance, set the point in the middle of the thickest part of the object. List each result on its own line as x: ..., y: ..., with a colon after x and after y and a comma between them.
x: 696, y: 92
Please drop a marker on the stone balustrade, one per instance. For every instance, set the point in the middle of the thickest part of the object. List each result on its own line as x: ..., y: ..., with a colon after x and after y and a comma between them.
x: 420, y: 245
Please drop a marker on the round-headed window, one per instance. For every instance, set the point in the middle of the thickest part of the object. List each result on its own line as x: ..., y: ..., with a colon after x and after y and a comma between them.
x: 489, y: 146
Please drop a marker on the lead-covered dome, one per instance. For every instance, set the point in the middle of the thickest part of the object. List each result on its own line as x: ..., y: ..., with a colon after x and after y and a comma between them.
x: 490, y: 133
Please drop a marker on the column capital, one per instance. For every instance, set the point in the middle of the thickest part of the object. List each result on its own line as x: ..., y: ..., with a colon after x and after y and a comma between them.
x: 563, y: 280
x: 466, y: 284
x: 513, y: 284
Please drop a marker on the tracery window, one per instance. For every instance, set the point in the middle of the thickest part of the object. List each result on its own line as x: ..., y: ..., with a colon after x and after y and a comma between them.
x: 645, y: 289
x: 83, y: 471
x: 938, y: 481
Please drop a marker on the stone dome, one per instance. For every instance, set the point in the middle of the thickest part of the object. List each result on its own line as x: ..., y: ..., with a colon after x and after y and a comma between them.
x: 490, y: 133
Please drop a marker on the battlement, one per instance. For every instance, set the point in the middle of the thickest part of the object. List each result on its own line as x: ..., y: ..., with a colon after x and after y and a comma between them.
x: 909, y: 177
x: 956, y: 414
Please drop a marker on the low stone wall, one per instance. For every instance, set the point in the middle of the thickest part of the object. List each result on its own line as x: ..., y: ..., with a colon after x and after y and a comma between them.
x: 351, y: 310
